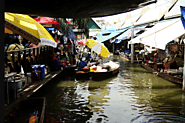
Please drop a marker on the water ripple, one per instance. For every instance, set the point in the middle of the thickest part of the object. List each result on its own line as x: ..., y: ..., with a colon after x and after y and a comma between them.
x: 158, y: 117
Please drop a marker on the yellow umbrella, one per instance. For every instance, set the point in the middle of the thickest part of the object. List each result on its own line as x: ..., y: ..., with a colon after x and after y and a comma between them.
x: 29, y: 29
x: 98, y: 47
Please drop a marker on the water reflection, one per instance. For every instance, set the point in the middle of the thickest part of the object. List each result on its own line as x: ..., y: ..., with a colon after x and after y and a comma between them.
x: 134, y: 95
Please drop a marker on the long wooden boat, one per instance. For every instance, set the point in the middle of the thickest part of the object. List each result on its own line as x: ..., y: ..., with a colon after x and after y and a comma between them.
x: 98, y: 76
x: 23, y: 109
x: 166, y: 76
x: 128, y: 59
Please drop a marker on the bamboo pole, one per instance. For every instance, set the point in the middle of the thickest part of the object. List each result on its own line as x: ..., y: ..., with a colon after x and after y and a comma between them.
x: 183, y: 85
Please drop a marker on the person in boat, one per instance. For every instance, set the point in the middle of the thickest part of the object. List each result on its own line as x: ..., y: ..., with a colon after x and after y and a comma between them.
x: 170, y: 63
x: 55, y: 62
x: 89, y: 58
x: 82, y: 64
x: 179, y: 59
x: 157, y: 62
x: 157, y: 59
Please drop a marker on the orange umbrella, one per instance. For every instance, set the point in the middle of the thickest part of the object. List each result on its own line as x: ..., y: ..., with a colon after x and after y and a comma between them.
x: 7, y: 31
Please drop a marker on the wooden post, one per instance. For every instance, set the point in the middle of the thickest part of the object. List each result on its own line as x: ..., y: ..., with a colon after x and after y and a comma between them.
x: 13, y: 57
x: 19, y: 56
x: 113, y: 47
x: 34, y: 52
x: 183, y: 85
x: 30, y: 52
x: 132, y: 46
x: 44, y: 55
x: 25, y: 63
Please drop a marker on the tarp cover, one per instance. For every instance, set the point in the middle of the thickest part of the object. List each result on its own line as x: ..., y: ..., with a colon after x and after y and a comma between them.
x: 156, y: 12
x: 175, y: 11
x: 112, y: 35
x: 160, y: 34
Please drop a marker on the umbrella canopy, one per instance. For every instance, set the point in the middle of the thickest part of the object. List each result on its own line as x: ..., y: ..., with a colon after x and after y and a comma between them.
x: 28, y: 28
x: 45, y: 20
x: 98, y: 47
x: 82, y: 42
x: 7, y: 31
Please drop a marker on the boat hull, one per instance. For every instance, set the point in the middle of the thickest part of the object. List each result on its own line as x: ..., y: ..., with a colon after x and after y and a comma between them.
x: 166, y: 76
x: 82, y: 76
x: 22, y: 110
x: 98, y: 76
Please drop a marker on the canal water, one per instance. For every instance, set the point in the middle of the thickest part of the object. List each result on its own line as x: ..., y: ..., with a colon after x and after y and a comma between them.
x: 132, y: 96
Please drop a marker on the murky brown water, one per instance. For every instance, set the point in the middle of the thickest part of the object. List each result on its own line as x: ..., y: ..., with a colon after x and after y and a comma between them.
x: 133, y: 96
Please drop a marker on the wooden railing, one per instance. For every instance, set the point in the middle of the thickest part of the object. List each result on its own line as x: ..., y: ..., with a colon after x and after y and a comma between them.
x: 42, y: 54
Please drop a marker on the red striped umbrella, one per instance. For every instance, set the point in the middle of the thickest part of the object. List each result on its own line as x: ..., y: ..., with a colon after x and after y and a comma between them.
x: 82, y: 42
x: 45, y: 20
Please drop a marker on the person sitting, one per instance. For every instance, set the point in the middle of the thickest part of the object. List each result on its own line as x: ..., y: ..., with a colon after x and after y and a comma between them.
x: 169, y: 62
x: 157, y: 59
x: 157, y: 62
x: 89, y: 58
x: 55, y: 62
x: 179, y: 59
x: 82, y: 64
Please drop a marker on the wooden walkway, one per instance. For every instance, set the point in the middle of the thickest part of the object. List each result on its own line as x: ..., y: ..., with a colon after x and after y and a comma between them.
x: 31, y: 89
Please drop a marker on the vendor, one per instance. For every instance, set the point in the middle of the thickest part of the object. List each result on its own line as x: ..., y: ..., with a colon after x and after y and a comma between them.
x: 157, y: 59
x: 179, y: 59
x: 82, y: 64
x: 56, y: 64
x: 89, y: 58
x: 170, y: 63
x: 157, y: 62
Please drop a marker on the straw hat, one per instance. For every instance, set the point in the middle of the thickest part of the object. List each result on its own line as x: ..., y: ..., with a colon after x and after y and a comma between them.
x: 83, y: 59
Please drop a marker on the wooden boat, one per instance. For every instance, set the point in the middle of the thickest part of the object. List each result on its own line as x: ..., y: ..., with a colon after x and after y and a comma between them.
x: 128, y: 59
x: 85, y: 74
x: 167, y: 76
x: 70, y: 69
x: 82, y: 76
x: 97, y: 76
x: 21, y: 111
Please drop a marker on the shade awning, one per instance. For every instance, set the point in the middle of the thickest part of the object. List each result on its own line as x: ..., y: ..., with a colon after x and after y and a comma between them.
x: 101, y: 38
x: 160, y: 34
x: 175, y: 11
x: 127, y: 34
x: 156, y: 11
x: 133, y: 16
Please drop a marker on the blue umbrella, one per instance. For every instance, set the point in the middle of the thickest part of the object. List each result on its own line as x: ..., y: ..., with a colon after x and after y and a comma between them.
x: 70, y: 34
